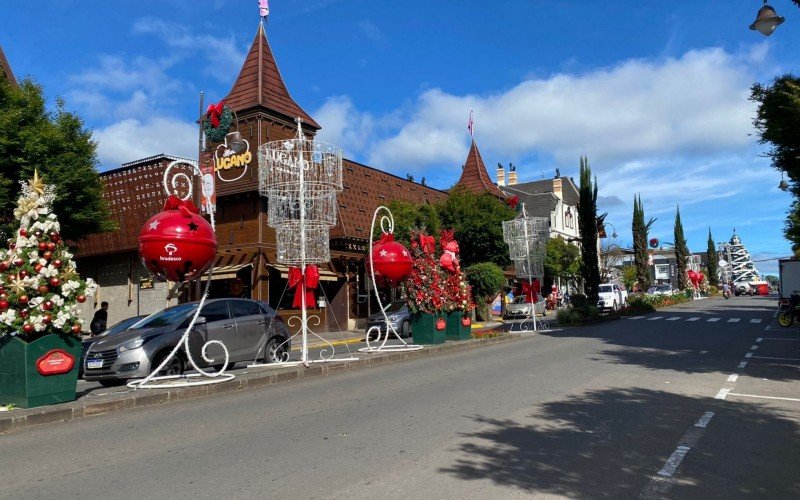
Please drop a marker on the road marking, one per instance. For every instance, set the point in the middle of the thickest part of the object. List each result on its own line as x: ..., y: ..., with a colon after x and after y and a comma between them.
x: 755, y: 320
x: 713, y: 320
x: 693, y: 319
x: 722, y: 394
x: 733, y: 320
x: 636, y: 317
x: 733, y: 378
x: 759, y: 339
x: 750, y: 355
x: 742, y: 364
x: 779, y: 338
x: 674, y: 461
x: 762, y: 397
x: 654, y: 318
x: 753, y: 347
x: 705, y: 419
x: 674, y: 318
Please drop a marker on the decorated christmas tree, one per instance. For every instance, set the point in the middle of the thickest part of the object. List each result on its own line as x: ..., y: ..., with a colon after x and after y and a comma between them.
x: 39, y: 286
x: 458, y: 292
x: 425, y: 287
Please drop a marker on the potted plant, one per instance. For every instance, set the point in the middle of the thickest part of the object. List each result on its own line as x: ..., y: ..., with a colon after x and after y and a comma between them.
x: 40, y: 342
x: 425, y: 292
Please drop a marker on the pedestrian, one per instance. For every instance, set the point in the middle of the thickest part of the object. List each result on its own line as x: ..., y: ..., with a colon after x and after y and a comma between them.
x: 100, y: 318
x: 726, y: 290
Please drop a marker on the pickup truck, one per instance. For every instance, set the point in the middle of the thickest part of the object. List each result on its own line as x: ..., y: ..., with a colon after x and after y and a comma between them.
x: 611, y: 297
x: 789, y: 273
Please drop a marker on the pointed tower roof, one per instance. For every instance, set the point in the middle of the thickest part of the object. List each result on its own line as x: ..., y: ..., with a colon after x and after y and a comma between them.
x: 260, y: 84
x: 5, y: 69
x: 474, y: 175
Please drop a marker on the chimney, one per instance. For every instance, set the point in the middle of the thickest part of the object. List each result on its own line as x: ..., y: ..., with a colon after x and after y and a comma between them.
x: 501, y: 175
x: 512, y: 174
x: 557, y: 188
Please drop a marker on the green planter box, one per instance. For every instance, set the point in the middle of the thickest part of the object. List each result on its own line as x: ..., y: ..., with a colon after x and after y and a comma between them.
x: 423, y: 329
x: 20, y: 382
x: 455, y: 330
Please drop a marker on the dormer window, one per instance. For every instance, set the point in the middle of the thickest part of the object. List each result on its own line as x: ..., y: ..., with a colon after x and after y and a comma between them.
x: 569, y: 218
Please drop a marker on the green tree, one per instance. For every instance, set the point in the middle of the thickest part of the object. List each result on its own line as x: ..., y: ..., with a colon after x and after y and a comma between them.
x: 63, y: 151
x: 629, y: 275
x: 777, y: 121
x: 681, y: 251
x: 487, y: 280
x: 410, y: 216
x: 640, y: 230
x: 713, y: 261
x: 562, y: 260
x: 587, y: 225
x: 477, y: 220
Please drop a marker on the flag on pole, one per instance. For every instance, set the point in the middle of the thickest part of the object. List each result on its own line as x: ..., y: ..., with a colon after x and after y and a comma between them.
x: 263, y: 8
x: 469, y: 123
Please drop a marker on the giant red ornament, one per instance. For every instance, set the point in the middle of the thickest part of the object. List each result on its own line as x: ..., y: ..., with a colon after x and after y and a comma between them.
x: 390, y: 259
x: 177, y: 244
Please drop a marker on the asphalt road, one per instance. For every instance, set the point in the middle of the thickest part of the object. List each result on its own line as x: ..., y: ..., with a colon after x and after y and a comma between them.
x: 593, y: 412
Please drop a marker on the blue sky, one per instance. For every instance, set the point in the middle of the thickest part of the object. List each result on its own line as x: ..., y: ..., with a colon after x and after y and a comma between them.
x: 654, y: 93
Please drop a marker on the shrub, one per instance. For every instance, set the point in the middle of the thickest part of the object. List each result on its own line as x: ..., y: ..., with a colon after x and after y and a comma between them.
x: 579, y: 301
x: 712, y: 290
x: 486, y: 334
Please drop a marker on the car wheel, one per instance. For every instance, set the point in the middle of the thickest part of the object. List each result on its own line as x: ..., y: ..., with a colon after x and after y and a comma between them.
x: 276, y: 350
x: 112, y: 382
x: 405, y: 330
x: 173, y: 367
x: 785, y: 318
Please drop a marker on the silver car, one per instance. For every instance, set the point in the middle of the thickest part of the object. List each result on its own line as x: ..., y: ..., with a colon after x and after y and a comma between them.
x: 518, y: 308
x: 399, y: 317
x: 247, y: 328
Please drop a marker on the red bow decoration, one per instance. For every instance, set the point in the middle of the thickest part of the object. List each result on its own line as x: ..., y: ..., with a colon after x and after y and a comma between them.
x: 385, y: 238
x: 531, y: 291
x: 186, y: 207
x: 214, y: 111
x: 428, y: 243
x: 311, y: 280
x: 513, y: 201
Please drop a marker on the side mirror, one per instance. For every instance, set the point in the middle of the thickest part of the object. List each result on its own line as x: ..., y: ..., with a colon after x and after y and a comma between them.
x: 201, y: 320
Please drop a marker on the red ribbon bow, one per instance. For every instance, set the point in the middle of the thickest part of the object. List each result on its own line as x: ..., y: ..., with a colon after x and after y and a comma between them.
x: 214, y: 111
x: 186, y: 207
x: 512, y: 202
x: 311, y: 280
x: 531, y: 291
x: 386, y: 238
x: 428, y: 243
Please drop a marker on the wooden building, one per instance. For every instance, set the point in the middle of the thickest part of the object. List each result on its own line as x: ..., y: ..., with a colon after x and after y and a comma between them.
x: 246, y: 261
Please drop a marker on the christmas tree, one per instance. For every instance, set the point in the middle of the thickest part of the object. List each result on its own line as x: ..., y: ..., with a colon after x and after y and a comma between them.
x: 39, y: 286
x: 425, y: 287
x: 459, y: 293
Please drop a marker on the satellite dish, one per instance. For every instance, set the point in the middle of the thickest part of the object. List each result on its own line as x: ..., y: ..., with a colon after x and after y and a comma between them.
x: 722, y: 263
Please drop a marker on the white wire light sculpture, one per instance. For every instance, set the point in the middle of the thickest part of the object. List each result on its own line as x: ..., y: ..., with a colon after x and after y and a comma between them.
x: 300, y: 179
x: 180, y: 184
x: 527, y: 237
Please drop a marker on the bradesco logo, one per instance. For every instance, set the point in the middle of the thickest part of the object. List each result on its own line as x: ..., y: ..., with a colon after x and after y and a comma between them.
x: 170, y: 248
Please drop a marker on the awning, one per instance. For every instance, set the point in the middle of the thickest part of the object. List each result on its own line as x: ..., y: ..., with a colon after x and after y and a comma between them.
x: 325, y: 274
x: 227, y: 265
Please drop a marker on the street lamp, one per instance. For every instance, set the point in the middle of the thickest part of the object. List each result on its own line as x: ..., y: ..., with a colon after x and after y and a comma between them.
x: 614, y: 234
x: 766, y: 20
x: 783, y: 185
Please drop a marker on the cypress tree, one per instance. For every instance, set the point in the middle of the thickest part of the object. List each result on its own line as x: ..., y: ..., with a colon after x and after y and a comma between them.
x: 681, y: 251
x: 640, y: 230
x: 713, y: 260
x: 587, y: 225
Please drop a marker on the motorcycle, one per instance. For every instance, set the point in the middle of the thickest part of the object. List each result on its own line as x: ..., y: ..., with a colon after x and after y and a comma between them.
x: 790, y: 312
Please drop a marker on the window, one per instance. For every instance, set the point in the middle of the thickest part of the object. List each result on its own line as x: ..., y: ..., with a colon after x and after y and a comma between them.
x: 216, y: 311
x: 245, y: 308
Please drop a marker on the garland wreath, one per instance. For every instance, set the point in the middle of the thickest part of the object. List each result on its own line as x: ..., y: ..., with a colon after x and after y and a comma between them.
x: 217, y: 122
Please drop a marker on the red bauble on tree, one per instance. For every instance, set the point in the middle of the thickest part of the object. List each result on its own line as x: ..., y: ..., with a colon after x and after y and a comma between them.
x: 177, y: 244
x: 390, y: 259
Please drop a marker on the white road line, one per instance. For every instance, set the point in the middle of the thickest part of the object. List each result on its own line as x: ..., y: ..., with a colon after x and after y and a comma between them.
x: 705, y: 419
x: 779, y: 338
x: 713, y: 320
x: 755, y: 320
x: 674, y: 461
x: 749, y: 355
x: 762, y: 397
x: 636, y: 317
x: 693, y: 319
x: 733, y: 378
x: 742, y: 364
x: 654, y: 318
x: 674, y: 318
x: 753, y: 347
x: 722, y: 394
x: 733, y: 320
x: 759, y: 339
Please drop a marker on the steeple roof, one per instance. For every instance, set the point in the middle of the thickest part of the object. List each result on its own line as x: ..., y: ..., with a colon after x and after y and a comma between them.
x: 260, y: 84
x: 474, y: 175
x: 5, y: 69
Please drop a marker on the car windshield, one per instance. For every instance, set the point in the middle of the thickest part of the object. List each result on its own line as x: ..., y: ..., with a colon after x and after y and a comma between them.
x: 122, y: 326
x: 664, y: 287
x: 170, y: 316
x: 605, y: 288
x: 395, y: 306
x: 519, y: 300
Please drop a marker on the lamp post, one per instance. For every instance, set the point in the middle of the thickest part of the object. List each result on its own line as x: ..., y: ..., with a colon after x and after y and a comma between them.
x: 767, y: 20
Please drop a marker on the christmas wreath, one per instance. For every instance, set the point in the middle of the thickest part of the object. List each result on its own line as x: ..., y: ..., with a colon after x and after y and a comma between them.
x: 217, y: 122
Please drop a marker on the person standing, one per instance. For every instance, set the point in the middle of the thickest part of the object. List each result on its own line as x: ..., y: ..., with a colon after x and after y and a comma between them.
x: 100, y: 318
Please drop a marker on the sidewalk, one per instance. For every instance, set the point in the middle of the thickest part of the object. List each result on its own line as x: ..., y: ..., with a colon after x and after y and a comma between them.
x: 99, y: 400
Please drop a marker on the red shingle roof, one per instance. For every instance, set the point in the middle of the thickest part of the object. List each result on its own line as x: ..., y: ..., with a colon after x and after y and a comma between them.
x: 474, y: 175
x: 5, y: 69
x: 260, y: 84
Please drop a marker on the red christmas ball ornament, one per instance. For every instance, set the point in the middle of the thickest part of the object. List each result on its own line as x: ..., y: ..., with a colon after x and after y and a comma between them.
x: 55, y: 282
x: 23, y: 232
x: 57, y: 263
x: 43, y: 289
x: 55, y: 237
x: 12, y: 245
x: 23, y: 313
x: 47, y: 255
x: 81, y: 299
x: 27, y: 328
x: 47, y: 319
x: 37, y: 233
x: 47, y: 305
x: 3, y: 304
x: 390, y: 259
x: 23, y: 273
x: 42, y: 246
x: 177, y: 244
x: 4, y: 265
x: 18, y: 262
x: 51, y: 246
x: 38, y: 268
x: 654, y: 242
x: 441, y: 324
x: 76, y: 329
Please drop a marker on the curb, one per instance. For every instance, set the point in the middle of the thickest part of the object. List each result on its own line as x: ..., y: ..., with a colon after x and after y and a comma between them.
x: 22, y: 418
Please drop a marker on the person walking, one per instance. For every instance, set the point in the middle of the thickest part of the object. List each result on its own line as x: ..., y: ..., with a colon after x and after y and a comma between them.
x: 99, y: 320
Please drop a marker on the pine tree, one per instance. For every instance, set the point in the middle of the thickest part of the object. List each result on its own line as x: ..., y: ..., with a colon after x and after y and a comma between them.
x: 681, y: 252
x: 640, y: 230
x: 587, y: 225
x: 39, y: 287
x: 713, y: 260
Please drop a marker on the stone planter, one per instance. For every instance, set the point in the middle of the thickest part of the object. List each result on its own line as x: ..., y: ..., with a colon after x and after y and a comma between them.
x: 456, y: 330
x: 424, y: 330
x: 42, y: 372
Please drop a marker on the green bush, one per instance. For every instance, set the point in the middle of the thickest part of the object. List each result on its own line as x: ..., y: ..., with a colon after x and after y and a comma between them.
x: 712, y: 290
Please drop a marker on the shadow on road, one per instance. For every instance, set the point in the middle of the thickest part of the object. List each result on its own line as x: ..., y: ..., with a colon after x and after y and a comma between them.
x: 608, y: 444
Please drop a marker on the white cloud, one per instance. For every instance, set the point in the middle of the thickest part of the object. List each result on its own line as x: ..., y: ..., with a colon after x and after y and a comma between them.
x: 343, y: 125
x: 372, y: 32
x: 132, y: 139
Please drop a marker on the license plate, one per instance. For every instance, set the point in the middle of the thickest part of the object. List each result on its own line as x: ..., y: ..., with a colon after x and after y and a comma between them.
x: 94, y: 363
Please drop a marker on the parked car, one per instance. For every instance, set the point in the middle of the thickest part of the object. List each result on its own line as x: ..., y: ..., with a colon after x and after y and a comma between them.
x: 611, y: 297
x: 120, y: 327
x: 399, y: 317
x: 661, y: 289
x: 247, y: 328
x: 518, y: 308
